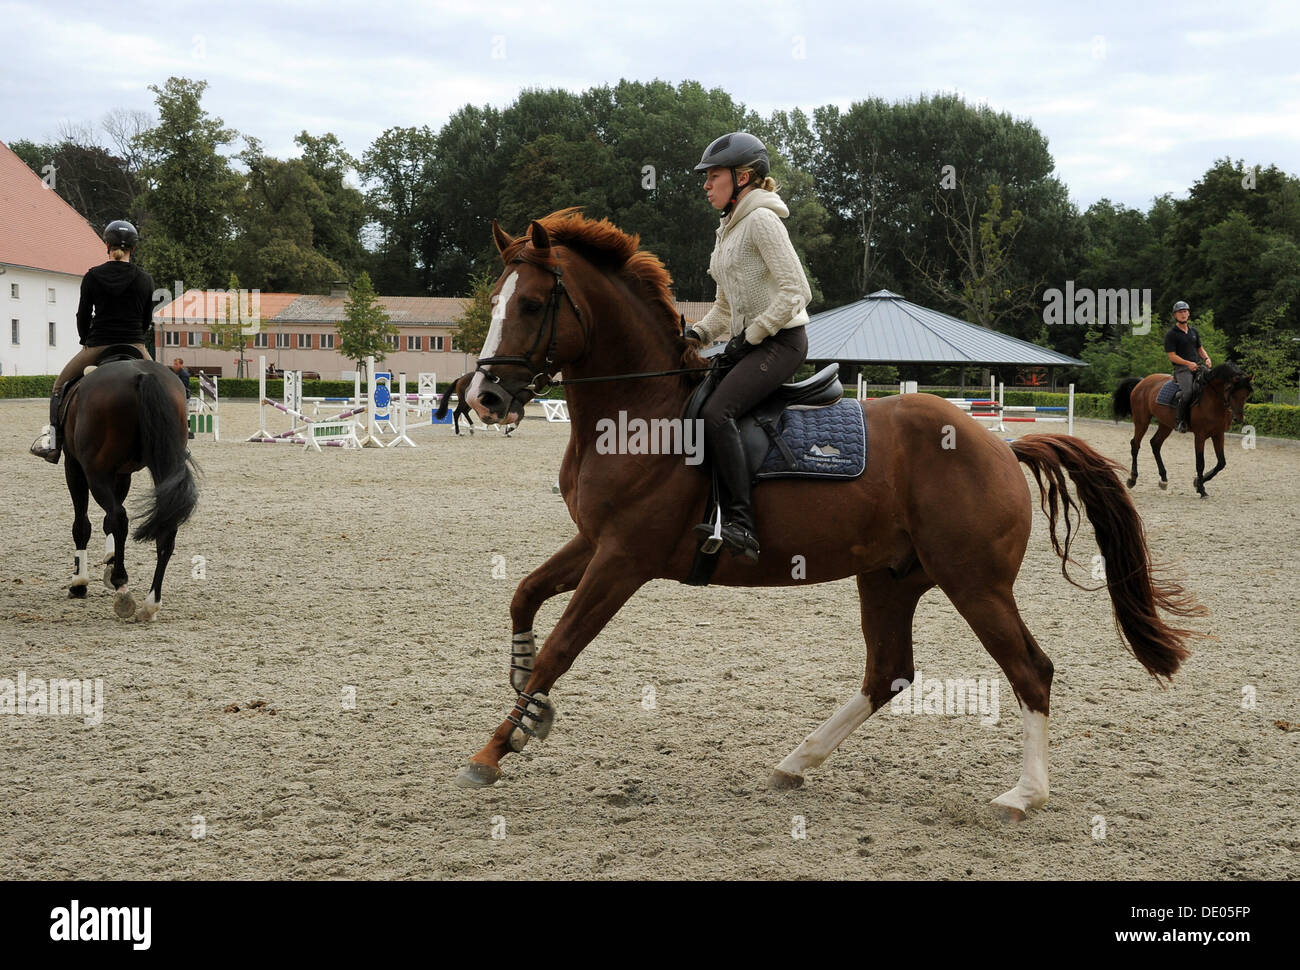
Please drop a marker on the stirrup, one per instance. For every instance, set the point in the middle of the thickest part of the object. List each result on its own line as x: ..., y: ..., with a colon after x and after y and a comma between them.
x: 712, y: 533
x: 45, y: 447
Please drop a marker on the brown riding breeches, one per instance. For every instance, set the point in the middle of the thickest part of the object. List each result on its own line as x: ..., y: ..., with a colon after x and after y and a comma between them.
x: 83, y: 359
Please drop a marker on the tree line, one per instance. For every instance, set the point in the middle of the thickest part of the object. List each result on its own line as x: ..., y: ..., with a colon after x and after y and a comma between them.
x: 953, y: 205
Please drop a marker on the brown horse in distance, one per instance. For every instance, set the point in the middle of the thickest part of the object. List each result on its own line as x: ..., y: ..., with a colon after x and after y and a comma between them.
x: 942, y: 503
x: 460, y: 387
x: 1223, y: 401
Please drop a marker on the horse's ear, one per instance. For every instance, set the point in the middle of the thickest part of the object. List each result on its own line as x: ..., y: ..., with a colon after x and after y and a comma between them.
x: 501, y: 237
x: 541, y: 239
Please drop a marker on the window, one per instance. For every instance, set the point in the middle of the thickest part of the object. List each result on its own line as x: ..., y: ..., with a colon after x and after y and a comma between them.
x: 454, y: 345
x: 215, y: 339
x: 193, y: 338
x: 171, y: 338
x: 282, y: 340
x: 327, y: 341
x: 392, y: 341
x: 51, y: 330
x: 13, y: 332
x: 13, y: 294
x: 304, y: 341
x: 51, y: 296
x: 259, y: 339
x: 412, y: 343
x: 436, y: 343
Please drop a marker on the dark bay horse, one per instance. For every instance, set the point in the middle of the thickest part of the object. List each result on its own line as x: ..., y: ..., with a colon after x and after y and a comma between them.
x: 942, y: 503
x: 122, y: 417
x: 1223, y: 401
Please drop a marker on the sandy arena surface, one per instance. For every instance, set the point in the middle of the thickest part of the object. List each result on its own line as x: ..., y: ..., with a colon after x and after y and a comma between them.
x: 374, y: 571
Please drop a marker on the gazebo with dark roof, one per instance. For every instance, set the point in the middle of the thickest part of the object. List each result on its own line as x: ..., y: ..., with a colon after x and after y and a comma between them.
x: 884, y: 328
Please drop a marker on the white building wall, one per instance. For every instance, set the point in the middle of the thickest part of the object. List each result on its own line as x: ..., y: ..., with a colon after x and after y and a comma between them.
x: 34, y: 311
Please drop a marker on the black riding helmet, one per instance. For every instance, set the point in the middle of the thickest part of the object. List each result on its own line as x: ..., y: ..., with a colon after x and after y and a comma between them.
x: 120, y: 234
x: 736, y: 150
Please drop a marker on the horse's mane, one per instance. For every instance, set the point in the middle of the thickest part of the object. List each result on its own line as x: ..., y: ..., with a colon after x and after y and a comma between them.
x: 606, y: 246
x: 1227, y: 371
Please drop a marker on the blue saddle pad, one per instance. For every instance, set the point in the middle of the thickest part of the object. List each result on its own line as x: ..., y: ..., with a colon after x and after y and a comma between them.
x: 1167, y: 393
x: 826, y: 442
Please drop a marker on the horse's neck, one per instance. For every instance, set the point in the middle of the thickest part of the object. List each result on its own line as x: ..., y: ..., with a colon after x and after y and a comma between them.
x: 627, y: 337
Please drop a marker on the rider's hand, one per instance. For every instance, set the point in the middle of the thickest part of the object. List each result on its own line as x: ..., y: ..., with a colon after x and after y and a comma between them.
x: 1207, y: 362
x: 1192, y: 366
x: 693, y: 337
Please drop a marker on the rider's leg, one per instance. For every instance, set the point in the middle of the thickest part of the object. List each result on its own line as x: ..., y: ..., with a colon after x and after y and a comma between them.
x: 50, y: 443
x: 1185, y: 380
x: 757, y: 375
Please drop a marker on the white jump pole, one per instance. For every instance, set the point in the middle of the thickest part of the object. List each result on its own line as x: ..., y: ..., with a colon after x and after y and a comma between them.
x: 1071, y: 411
x: 371, y: 440
x: 262, y: 434
x: 401, y: 438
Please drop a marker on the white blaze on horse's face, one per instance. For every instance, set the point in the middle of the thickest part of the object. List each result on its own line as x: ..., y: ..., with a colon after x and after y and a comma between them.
x: 493, y: 342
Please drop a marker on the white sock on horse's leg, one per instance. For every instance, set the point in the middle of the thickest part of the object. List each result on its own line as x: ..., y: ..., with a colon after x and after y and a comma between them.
x: 1031, y: 791
x: 81, y: 569
x: 817, y: 747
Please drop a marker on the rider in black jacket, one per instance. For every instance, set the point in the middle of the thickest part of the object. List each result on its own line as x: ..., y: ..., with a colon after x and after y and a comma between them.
x: 116, y: 308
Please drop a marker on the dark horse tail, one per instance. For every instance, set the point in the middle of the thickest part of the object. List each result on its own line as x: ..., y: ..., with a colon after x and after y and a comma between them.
x: 1135, y: 592
x: 1120, y: 399
x: 446, y: 398
x: 163, y: 450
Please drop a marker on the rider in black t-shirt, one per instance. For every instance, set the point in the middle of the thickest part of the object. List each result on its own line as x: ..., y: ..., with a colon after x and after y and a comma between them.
x: 1183, y: 345
x: 116, y: 308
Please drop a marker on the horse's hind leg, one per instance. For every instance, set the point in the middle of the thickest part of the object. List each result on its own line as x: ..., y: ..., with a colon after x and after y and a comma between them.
x: 79, y: 489
x: 888, y: 606
x: 1157, y: 440
x: 1140, y: 425
x: 992, y: 614
x: 111, y: 498
x: 149, y: 608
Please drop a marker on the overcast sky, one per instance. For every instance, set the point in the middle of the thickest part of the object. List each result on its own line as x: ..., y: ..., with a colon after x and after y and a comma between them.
x: 1136, y: 99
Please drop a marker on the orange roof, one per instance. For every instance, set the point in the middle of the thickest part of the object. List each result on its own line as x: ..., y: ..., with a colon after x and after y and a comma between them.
x: 209, y: 306
x: 41, y: 231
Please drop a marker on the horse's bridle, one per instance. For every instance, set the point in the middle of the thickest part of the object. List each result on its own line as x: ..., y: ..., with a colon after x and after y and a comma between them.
x: 543, y: 378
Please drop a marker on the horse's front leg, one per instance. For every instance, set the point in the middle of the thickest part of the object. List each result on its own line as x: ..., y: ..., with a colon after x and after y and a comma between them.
x: 559, y: 574
x: 1200, y: 465
x: 609, y: 583
x: 1220, y: 464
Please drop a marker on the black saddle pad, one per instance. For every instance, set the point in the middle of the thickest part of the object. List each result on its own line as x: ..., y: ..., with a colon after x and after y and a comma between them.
x: 1168, y: 393
x: 826, y: 442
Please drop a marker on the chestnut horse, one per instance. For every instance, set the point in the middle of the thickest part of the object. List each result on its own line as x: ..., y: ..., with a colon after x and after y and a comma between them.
x: 460, y: 387
x: 122, y: 417
x: 942, y: 503
x: 1223, y: 401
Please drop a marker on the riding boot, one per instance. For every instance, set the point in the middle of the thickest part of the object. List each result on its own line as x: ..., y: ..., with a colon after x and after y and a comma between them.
x: 50, y: 444
x: 1184, y: 414
x: 727, y: 453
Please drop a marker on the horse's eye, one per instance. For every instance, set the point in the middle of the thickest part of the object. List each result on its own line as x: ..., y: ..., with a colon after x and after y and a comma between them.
x: 530, y: 306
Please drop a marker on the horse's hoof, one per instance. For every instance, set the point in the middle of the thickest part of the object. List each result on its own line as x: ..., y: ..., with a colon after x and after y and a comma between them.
x: 124, y: 604
x: 477, y: 775
x: 148, y: 610
x: 1164, y: 485
x: 1132, y: 482
x: 1007, y: 813
x: 77, y: 592
x: 784, y: 781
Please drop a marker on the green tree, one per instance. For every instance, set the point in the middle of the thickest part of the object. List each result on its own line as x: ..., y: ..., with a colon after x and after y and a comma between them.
x: 190, y: 189
x: 275, y: 249
x: 473, y: 323
x: 365, y: 328
x: 338, y: 215
x: 396, y: 169
x: 1270, y: 355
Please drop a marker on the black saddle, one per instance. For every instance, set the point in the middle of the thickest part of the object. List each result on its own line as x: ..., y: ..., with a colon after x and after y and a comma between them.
x: 758, y: 428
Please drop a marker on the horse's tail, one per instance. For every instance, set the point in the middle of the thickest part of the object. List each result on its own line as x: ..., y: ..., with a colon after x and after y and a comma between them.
x: 445, y: 402
x: 1121, y: 398
x: 162, y: 446
x: 1135, y: 592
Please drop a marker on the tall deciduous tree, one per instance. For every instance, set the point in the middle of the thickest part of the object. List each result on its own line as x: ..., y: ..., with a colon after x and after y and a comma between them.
x: 190, y: 191
x: 473, y: 323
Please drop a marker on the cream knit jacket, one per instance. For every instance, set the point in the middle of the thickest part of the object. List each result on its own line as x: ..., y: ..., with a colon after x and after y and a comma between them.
x: 761, y: 283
